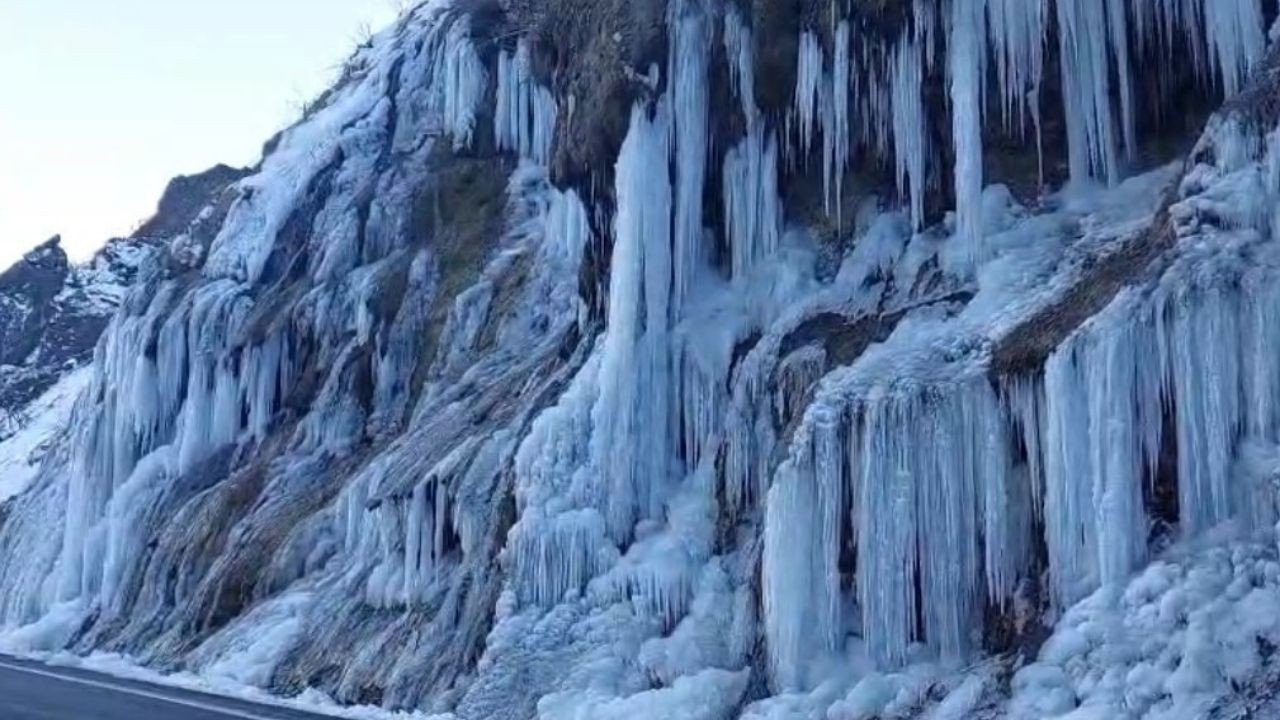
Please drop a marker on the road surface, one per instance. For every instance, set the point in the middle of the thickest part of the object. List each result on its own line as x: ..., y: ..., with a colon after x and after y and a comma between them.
x: 32, y: 691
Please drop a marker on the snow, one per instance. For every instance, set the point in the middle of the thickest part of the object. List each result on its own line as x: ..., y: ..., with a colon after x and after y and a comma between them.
x: 1180, y: 636
x: 708, y: 695
x: 128, y: 668
x: 23, y: 450
x: 455, y: 84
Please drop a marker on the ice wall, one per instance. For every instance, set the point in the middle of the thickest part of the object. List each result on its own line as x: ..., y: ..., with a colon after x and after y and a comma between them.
x: 753, y: 483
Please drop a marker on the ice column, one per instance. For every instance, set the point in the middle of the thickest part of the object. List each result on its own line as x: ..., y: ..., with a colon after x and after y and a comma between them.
x: 633, y: 436
x: 752, y: 204
x: 910, y: 143
x: 968, y: 68
x: 690, y: 107
x: 1086, y: 89
x: 525, y: 118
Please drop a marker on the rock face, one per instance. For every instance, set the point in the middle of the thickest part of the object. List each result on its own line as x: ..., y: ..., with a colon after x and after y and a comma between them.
x: 185, y: 198
x: 51, y: 315
x: 692, y: 359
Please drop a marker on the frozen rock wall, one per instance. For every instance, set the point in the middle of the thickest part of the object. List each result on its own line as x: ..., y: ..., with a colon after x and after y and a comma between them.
x: 615, y: 360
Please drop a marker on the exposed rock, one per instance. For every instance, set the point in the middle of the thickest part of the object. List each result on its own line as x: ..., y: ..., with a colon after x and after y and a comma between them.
x: 185, y: 197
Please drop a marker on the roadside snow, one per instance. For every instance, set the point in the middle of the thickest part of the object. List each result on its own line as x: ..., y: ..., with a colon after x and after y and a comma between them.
x: 124, y: 667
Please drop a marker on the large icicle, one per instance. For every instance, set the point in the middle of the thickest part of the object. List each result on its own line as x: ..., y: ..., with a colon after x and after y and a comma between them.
x: 1100, y: 449
x: 462, y: 83
x: 808, y: 95
x: 1118, y: 25
x: 690, y: 104
x: 525, y: 118
x: 1086, y: 90
x: 837, y: 146
x: 910, y: 140
x: 801, y: 597
x: 633, y: 437
x: 1234, y: 30
x: 968, y: 70
x: 1017, y: 29
x: 752, y: 204
x: 931, y: 503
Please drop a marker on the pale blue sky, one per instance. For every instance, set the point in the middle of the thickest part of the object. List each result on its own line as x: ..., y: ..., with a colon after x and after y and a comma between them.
x: 102, y: 101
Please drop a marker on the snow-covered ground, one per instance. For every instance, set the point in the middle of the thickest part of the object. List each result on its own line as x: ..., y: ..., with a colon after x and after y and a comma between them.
x: 1194, y: 628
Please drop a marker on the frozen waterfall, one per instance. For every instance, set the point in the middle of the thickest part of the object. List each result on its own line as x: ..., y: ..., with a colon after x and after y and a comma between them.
x: 718, y: 428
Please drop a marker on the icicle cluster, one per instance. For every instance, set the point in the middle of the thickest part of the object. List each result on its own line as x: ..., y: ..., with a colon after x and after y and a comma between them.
x: 934, y: 482
x: 752, y: 203
x: 922, y: 484
x: 883, y: 90
x: 187, y: 371
x: 525, y: 119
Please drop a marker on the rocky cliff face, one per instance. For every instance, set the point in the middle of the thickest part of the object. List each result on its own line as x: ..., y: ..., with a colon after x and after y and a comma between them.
x: 702, y: 360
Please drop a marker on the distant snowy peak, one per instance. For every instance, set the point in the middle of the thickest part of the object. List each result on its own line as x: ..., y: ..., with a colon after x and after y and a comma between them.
x: 27, y: 292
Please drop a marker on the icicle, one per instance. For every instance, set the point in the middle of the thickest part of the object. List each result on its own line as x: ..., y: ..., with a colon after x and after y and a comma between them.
x: 916, y: 472
x: 1017, y: 29
x: 632, y: 417
x: 459, y: 83
x: 1086, y: 90
x: 702, y: 406
x: 749, y: 436
x: 1118, y: 24
x: 753, y: 207
x: 558, y: 549
x: 910, y: 147
x: 690, y: 109
x: 809, y: 73
x: 925, y: 17
x: 801, y: 593
x: 525, y: 118
x: 836, y: 141
x: 922, y: 478
x: 752, y: 204
x: 568, y: 227
x: 968, y: 68
x: 1234, y: 31
x: 1203, y: 342
x: 506, y: 115
x: 1101, y: 448
x: 742, y: 81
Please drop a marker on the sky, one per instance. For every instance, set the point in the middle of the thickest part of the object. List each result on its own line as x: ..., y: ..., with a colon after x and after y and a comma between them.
x: 103, y: 101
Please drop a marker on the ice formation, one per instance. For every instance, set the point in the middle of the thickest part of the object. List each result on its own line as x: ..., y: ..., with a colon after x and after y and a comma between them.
x: 525, y: 117
x: 759, y: 472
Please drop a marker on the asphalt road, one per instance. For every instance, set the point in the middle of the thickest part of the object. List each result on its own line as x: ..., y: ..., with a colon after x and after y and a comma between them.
x: 32, y: 691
